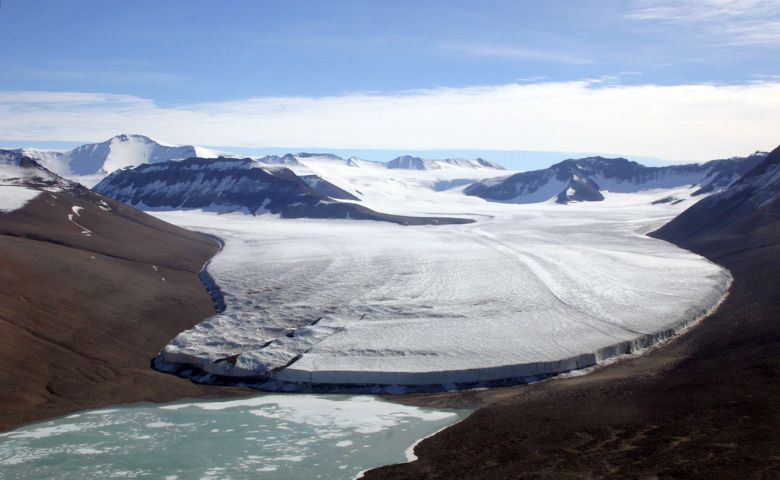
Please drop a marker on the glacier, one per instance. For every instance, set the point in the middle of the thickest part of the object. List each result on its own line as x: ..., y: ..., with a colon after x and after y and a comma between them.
x: 525, y: 292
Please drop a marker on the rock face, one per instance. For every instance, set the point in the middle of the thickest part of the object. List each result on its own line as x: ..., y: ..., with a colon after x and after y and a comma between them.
x: 583, y: 180
x: 115, y: 153
x: 748, y: 209
x: 222, y: 184
x: 226, y: 184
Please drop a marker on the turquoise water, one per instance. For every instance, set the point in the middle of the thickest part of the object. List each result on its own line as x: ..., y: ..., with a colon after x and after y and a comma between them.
x: 265, y: 437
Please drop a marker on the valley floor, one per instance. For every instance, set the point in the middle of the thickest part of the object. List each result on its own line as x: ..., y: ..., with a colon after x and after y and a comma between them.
x: 703, y: 407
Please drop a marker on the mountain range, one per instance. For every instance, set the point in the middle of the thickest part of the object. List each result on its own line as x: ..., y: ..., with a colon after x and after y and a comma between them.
x: 404, y: 162
x: 124, y: 150
x: 227, y: 184
x: 584, y: 179
x: 409, y: 162
x: 286, y: 185
x: 115, y: 153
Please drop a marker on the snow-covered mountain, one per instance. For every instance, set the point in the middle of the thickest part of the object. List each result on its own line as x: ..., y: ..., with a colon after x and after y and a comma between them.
x: 287, y: 159
x: 417, y: 163
x: 228, y: 184
x: 92, y: 161
x: 22, y: 179
x: 750, y: 204
x: 19, y: 169
x: 405, y: 162
x: 115, y: 153
x: 585, y: 179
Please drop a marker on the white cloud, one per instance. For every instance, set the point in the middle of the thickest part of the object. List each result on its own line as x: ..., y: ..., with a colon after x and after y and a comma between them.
x: 731, y: 22
x: 683, y: 123
x: 511, y: 52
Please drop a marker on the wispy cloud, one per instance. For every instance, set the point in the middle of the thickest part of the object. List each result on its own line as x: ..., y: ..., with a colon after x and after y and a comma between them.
x: 734, y: 22
x: 125, y: 76
x: 683, y: 122
x: 511, y: 52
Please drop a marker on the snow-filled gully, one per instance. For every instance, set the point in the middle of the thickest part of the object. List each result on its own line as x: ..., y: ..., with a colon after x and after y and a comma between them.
x: 364, y: 306
x: 77, y: 213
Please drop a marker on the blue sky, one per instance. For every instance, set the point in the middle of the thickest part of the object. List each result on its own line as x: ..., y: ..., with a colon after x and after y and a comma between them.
x: 195, y: 55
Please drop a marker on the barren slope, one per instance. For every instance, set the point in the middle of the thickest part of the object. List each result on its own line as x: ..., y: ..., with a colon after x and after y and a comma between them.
x: 81, y: 315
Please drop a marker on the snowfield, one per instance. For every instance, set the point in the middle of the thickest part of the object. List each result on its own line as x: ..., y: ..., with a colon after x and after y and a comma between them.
x: 525, y: 292
x: 15, y: 180
x: 13, y: 197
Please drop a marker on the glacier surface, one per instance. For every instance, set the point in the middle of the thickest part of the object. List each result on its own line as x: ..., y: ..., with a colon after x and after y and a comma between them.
x: 525, y: 292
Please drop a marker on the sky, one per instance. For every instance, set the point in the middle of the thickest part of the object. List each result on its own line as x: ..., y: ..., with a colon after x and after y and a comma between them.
x: 518, y: 82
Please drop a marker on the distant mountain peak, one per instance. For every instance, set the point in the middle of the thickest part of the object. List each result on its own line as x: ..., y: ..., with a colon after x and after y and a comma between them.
x: 410, y: 162
x: 124, y: 137
x: 117, y: 152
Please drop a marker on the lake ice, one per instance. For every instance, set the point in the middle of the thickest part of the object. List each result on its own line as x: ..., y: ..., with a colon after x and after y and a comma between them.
x: 269, y: 437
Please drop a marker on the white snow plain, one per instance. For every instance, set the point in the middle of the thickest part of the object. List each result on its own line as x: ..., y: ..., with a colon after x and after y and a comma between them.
x: 525, y: 292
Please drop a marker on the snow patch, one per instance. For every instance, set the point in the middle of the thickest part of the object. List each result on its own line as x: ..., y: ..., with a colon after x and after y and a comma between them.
x: 77, y: 213
x: 14, y: 197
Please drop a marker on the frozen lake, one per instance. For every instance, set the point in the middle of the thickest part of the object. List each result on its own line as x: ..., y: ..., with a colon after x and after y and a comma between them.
x: 526, y: 291
x: 270, y: 437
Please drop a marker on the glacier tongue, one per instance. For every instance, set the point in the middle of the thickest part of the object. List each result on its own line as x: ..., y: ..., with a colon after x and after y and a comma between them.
x: 527, y: 291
